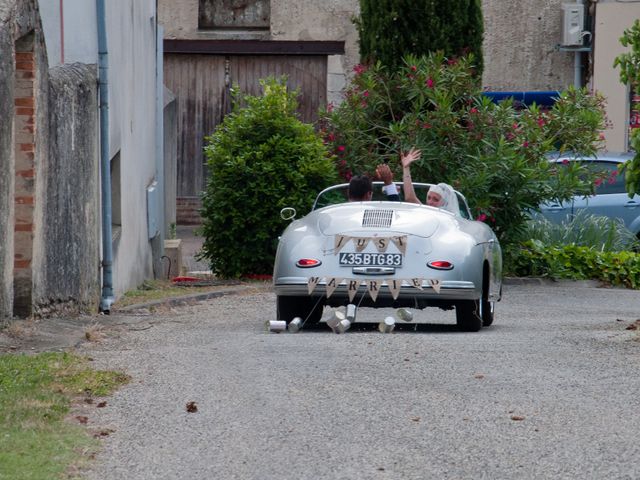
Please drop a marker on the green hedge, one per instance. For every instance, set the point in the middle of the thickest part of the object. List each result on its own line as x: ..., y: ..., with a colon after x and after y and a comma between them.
x: 576, y: 262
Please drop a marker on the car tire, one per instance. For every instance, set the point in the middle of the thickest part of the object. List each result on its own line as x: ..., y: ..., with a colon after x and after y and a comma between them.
x: 468, y: 315
x: 307, y: 308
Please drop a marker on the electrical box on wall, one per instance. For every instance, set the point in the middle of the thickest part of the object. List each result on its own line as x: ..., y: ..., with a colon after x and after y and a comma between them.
x: 572, y: 24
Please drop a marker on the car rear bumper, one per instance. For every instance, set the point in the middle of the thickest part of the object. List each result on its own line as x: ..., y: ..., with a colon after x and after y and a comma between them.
x: 449, y: 290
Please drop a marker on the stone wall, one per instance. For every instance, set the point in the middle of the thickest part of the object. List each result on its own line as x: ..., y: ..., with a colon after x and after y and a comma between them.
x: 520, y: 46
x: 66, y: 277
x: 7, y: 166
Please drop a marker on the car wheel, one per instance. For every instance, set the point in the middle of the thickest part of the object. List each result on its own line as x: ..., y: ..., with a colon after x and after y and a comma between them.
x: 307, y: 308
x: 468, y: 315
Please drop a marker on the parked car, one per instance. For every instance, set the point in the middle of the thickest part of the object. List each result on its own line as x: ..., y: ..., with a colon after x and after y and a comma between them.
x: 382, y: 253
x: 610, y: 199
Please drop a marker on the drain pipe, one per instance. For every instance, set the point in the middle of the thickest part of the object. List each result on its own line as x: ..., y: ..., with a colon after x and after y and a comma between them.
x: 577, y: 61
x: 105, y: 162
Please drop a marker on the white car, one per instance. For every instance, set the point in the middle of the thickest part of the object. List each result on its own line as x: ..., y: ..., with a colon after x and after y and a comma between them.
x: 383, y: 253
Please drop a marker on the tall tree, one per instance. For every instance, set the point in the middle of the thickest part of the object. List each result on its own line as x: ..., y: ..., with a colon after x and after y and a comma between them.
x: 391, y: 29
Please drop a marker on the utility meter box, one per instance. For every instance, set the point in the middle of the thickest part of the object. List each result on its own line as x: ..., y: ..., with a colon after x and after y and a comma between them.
x: 572, y: 24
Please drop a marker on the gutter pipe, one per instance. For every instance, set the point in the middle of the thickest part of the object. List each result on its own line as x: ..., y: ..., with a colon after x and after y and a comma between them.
x: 577, y: 58
x: 107, y: 298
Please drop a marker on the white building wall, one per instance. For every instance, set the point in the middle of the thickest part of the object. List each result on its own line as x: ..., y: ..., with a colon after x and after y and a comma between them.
x: 132, y: 110
x: 131, y: 36
x: 75, y: 40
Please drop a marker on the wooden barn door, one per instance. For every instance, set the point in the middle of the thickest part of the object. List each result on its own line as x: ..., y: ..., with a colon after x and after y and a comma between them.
x: 198, y: 82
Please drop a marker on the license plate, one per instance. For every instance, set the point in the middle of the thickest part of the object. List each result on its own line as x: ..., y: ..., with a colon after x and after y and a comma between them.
x: 370, y: 259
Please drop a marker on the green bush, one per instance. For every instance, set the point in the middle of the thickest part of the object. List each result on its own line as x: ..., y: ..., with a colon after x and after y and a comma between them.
x: 578, y: 263
x: 629, y: 63
x: 493, y: 153
x: 261, y: 159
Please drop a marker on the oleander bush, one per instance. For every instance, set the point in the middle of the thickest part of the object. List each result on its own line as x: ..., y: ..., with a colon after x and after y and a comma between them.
x: 495, y: 154
x: 261, y: 158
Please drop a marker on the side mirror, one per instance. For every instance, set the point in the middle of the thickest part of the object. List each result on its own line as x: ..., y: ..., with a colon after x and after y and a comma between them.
x: 288, y: 213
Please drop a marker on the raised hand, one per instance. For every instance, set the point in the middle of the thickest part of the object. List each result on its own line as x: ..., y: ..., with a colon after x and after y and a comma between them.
x: 383, y: 172
x: 411, y: 156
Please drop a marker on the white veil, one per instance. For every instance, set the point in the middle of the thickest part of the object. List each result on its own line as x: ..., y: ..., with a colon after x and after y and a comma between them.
x: 449, y: 197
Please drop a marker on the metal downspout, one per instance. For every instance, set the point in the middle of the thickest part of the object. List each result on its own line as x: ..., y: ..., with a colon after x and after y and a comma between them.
x: 577, y: 62
x: 105, y: 161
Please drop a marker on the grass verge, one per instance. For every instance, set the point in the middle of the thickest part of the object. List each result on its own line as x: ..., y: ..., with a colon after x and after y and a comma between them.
x: 36, y: 394
x: 152, y: 290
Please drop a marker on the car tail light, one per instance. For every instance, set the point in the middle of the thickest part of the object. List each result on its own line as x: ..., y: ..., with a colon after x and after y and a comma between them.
x: 440, y: 265
x: 308, y: 262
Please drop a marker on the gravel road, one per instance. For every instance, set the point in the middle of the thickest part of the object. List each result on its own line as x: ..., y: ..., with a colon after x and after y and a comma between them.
x: 552, y: 390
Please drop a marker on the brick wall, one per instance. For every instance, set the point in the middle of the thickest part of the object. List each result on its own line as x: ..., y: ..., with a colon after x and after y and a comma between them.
x: 25, y: 147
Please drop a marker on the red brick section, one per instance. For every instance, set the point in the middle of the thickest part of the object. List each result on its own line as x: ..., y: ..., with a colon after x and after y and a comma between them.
x: 25, y: 147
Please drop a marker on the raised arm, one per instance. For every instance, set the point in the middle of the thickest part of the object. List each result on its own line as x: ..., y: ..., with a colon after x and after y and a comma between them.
x: 407, y: 159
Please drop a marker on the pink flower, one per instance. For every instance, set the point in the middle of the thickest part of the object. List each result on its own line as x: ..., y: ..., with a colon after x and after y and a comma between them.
x: 515, y: 126
x: 426, y: 125
x: 363, y: 104
x: 565, y: 162
x: 365, y: 93
x: 413, y: 68
x: 601, y: 136
x: 359, y: 69
x: 597, y: 182
x: 411, y: 77
x: 341, y: 148
x: 481, y: 218
x: 541, y: 122
x: 473, y: 110
x: 525, y: 144
x: 330, y: 107
x: 331, y: 137
x: 429, y: 83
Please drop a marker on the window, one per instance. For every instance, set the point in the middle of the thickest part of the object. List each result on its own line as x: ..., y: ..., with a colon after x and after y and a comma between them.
x: 613, y: 183
x: 234, y: 14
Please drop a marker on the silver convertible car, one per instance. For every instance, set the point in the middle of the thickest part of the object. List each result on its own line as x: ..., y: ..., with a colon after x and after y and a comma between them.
x: 382, y: 253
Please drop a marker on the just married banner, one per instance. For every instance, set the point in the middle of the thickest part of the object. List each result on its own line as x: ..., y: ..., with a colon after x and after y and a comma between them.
x: 361, y: 243
x: 372, y: 286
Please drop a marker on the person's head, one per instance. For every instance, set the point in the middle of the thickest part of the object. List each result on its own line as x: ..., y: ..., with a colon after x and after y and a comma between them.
x: 360, y: 188
x: 443, y: 196
x: 436, y: 196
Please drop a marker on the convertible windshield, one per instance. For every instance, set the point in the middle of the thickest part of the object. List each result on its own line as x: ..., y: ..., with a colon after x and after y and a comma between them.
x: 339, y: 194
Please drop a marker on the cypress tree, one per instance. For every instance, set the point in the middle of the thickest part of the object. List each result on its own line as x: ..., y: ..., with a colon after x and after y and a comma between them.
x: 391, y: 29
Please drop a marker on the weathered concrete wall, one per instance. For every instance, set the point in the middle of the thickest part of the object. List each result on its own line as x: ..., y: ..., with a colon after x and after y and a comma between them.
x: 520, y: 43
x: 66, y: 275
x: 7, y: 162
